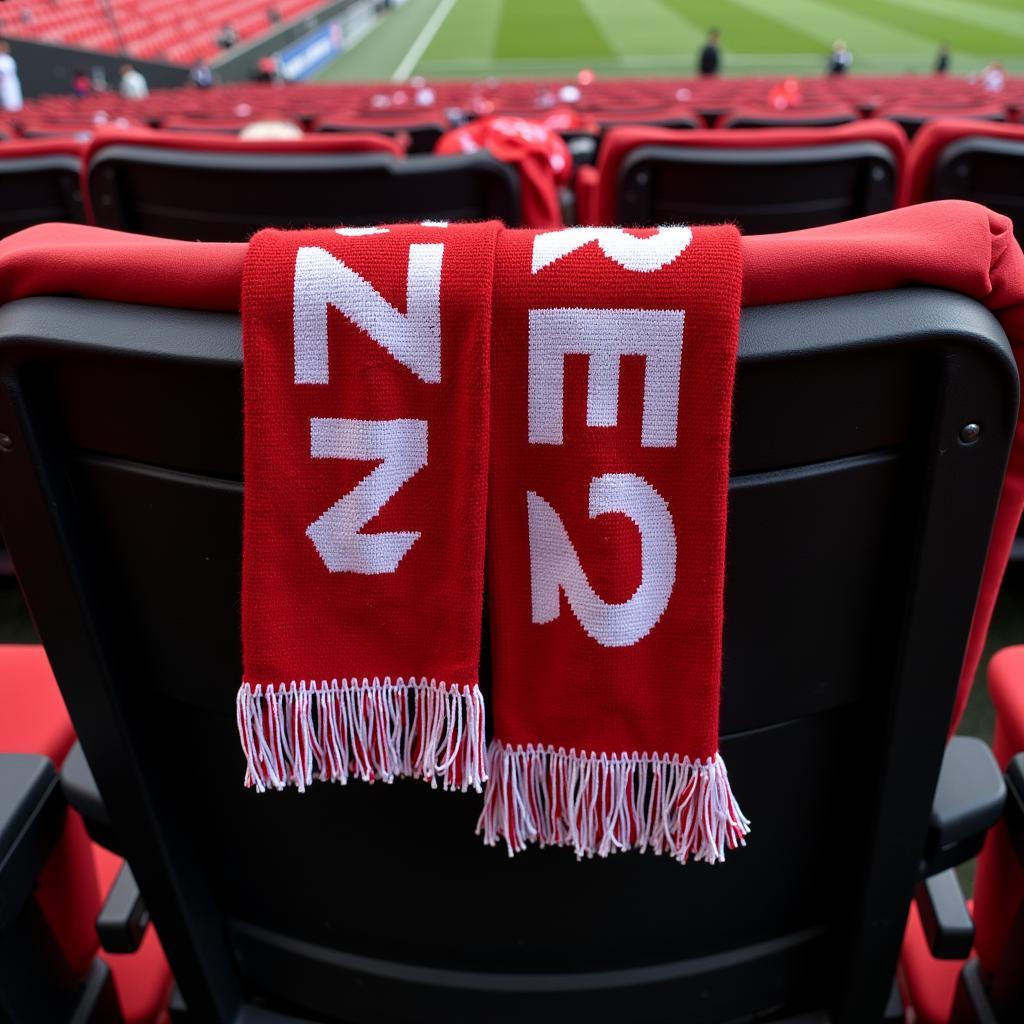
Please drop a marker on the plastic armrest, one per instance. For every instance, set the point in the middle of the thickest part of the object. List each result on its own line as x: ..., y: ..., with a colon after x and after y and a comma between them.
x: 945, y: 919
x: 969, y: 800
x: 82, y: 793
x: 1015, y: 804
x: 31, y: 819
x: 123, y: 919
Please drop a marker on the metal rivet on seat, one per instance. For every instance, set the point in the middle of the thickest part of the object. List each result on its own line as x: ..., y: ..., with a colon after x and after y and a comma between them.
x: 969, y: 433
x: 6, y: 442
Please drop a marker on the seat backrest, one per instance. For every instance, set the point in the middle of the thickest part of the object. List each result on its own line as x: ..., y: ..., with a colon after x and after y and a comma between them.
x: 857, y: 534
x: 913, y: 117
x: 797, y: 117
x: 765, y: 180
x: 39, y: 182
x: 223, y: 190
x: 422, y: 135
x: 980, y: 162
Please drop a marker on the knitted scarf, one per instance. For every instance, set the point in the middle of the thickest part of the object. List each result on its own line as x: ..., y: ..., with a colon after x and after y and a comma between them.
x: 366, y: 381
x: 613, y: 360
x: 387, y: 396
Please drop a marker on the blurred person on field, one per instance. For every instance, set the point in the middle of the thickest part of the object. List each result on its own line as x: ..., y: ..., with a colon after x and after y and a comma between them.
x: 710, y: 58
x: 133, y: 85
x: 10, y: 84
x: 840, y: 59
x: 943, y: 60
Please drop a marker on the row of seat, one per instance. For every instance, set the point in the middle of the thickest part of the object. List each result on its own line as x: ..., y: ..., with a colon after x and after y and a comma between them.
x: 219, y: 188
x: 150, y: 29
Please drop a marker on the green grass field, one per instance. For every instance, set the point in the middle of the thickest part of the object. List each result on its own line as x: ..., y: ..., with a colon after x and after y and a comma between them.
x: 476, y: 38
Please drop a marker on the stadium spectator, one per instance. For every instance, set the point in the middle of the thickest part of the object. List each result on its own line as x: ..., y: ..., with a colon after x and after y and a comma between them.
x: 840, y: 58
x: 263, y: 131
x: 993, y: 78
x: 81, y: 84
x: 10, y: 84
x: 942, y: 61
x: 266, y: 70
x: 227, y: 36
x: 273, y: 15
x: 200, y: 75
x: 133, y: 84
x: 710, y: 58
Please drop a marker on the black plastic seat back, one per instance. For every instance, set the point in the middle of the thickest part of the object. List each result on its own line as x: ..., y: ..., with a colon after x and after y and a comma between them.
x: 805, y: 119
x: 422, y: 135
x: 763, y: 190
x: 857, y: 533
x: 208, y: 196
x: 37, y: 189
x: 984, y: 170
x: 912, y: 121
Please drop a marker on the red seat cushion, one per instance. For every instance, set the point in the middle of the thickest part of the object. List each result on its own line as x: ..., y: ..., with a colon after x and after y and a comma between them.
x: 927, y: 984
x: 34, y: 719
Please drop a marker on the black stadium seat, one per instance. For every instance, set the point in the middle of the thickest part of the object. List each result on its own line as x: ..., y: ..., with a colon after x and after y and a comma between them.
x: 856, y: 546
x: 39, y: 182
x: 765, y: 180
x: 213, y: 195
x: 961, y: 159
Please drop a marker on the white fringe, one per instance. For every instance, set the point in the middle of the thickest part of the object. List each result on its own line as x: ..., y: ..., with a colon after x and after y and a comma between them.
x: 367, y: 729
x: 600, y: 804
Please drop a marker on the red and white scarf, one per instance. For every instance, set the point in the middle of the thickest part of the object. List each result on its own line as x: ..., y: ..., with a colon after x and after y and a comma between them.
x: 366, y: 427
x: 395, y: 376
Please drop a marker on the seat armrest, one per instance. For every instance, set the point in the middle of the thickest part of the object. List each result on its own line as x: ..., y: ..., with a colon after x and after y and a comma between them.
x: 969, y: 800
x: 31, y: 819
x: 946, y: 921
x: 123, y: 919
x: 82, y: 793
x: 1015, y: 804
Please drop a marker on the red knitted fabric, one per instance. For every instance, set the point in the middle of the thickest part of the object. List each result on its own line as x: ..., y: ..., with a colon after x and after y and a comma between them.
x: 366, y: 382
x: 539, y: 154
x: 613, y: 362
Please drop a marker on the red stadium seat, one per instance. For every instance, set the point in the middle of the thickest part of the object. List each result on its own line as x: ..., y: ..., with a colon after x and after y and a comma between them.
x: 911, y: 117
x: 865, y: 651
x: 40, y: 181
x: 803, y: 116
x: 999, y: 883
x: 766, y: 179
x: 963, y: 159
x: 928, y: 984
x: 77, y: 874
x: 219, y: 188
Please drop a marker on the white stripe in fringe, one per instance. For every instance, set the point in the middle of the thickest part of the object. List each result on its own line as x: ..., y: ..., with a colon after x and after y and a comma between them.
x: 369, y: 729
x: 601, y: 804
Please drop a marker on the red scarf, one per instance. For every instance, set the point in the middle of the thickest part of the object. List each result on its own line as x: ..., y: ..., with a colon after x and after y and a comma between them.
x: 370, y: 419
x: 613, y: 363
x: 366, y: 383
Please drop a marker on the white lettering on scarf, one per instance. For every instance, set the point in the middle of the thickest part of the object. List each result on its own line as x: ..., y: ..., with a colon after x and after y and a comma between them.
x: 605, y: 336
x: 413, y: 338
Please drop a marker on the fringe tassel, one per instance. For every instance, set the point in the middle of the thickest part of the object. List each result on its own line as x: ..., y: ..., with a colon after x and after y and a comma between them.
x: 600, y: 804
x: 370, y: 730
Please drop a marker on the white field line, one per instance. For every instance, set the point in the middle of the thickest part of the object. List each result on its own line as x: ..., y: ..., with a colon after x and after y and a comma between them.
x: 422, y: 41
